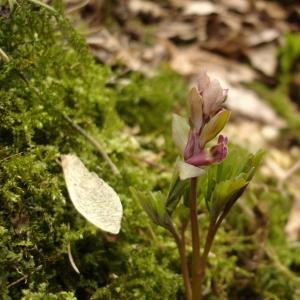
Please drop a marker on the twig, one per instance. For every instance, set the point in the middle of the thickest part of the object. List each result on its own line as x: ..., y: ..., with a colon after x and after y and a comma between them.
x: 72, y: 262
x: 17, y: 281
x: 291, y: 171
x: 94, y: 143
x: 10, y: 156
x: 282, y: 268
x: 4, y: 56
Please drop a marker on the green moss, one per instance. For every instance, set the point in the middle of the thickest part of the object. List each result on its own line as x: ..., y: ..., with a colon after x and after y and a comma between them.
x: 142, y: 101
x: 50, y: 73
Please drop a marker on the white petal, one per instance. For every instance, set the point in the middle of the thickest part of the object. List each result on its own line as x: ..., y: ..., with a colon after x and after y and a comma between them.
x: 91, y: 196
x: 180, y: 132
x: 188, y: 171
x: 195, y: 104
x: 211, y: 95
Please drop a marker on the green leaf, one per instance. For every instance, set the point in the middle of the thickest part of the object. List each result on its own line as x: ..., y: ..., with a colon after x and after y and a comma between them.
x: 226, y: 192
x: 214, y: 126
x: 180, y: 132
x: 154, y: 206
x: 11, y: 4
x: 254, y: 161
x: 223, y: 179
x: 177, y: 189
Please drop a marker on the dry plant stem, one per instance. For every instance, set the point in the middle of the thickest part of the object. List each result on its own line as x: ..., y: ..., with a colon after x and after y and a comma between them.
x: 94, y: 143
x: 196, y: 259
x: 183, y: 264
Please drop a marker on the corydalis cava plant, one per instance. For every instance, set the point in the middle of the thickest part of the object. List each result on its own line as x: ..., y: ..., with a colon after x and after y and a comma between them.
x: 223, y: 177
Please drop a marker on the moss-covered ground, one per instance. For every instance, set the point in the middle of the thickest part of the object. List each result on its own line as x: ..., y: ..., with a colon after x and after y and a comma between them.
x: 49, y: 75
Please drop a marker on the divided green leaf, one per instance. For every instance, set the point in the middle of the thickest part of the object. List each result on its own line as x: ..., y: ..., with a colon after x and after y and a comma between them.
x: 154, y: 205
x: 227, y: 181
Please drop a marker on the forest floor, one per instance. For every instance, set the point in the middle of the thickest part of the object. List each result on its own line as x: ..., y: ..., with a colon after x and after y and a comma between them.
x: 147, y: 54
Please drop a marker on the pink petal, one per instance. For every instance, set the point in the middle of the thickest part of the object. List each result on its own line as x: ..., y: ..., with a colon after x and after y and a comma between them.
x: 211, y: 96
x: 201, y: 159
x: 196, y: 108
x: 202, y: 82
x: 189, y: 149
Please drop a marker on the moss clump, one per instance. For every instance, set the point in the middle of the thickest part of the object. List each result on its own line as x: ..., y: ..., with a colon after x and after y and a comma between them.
x: 50, y: 73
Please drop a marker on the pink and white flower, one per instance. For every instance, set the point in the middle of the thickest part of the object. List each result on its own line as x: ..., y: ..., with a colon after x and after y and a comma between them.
x: 207, y: 119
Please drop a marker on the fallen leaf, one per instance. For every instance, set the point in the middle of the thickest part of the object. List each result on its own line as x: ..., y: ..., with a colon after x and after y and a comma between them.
x: 260, y: 36
x: 200, y: 8
x: 191, y: 60
x: 146, y: 7
x: 180, y: 30
x: 240, y: 6
x: 272, y: 9
x: 264, y: 58
x: 92, y: 197
x: 248, y: 103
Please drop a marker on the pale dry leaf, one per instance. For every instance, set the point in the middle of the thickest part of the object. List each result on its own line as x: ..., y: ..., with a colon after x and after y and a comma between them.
x: 264, y: 58
x: 92, y: 197
x: 175, y: 29
x: 240, y: 6
x: 105, y: 40
x: 261, y: 36
x: 146, y: 7
x: 249, y: 104
x: 190, y: 60
x: 200, y: 8
x: 273, y: 9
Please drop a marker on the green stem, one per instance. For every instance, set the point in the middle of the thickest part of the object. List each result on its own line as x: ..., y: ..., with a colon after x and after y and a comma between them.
x: 196, y: 259
x: 212, y: 230
x: 208, y: 243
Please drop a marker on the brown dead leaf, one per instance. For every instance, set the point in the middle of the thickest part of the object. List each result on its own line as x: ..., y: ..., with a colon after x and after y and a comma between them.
x: 175, y: 29
x: 271, y: 9
x: 240, y: 6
